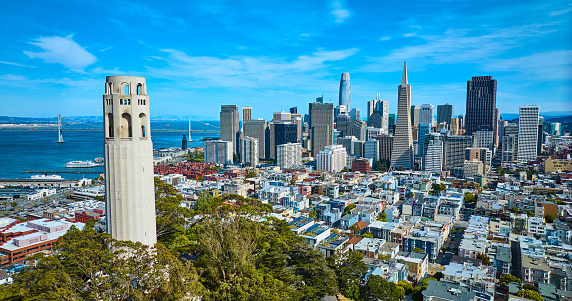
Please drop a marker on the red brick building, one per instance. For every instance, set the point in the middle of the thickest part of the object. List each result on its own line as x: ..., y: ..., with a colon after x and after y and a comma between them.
x: 361, y: 165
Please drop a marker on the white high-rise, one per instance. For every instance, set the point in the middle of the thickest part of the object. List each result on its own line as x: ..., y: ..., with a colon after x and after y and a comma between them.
x: 402, y: 154
x: 426, y: 114
x: 218, y: 152
x: 433, y: 161
x: 128, y: 152
x: 248, y: 151
x: 288, y: 155
x: 527, y: 133
x: 332, y: 158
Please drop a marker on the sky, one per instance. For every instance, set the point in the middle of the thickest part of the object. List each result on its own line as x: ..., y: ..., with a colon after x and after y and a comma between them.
x: 273, y: 55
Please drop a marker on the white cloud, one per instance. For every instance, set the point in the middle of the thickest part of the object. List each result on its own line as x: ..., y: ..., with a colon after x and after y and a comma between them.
x: 339, y: 12
x: 16, y: 64
x: 386, y: 38
x: 62, y: 50
x: 246, y: 71
x: 304, y: 34
x: 13, y: 77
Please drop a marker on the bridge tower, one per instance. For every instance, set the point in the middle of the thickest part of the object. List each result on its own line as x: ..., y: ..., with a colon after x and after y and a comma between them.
x: 60, y: 136
x: 128, y: 151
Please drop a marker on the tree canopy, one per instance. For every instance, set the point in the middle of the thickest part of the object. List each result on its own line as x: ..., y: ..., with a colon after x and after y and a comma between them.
x: 530, y: 294
x: 508, y: 278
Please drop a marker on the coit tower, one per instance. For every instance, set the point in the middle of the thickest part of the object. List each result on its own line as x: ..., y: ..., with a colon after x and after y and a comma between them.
x: 128, y: 151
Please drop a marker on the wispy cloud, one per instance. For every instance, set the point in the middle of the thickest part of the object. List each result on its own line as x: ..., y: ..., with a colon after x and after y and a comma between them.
x: 459, y: 46
x: 339, y: 11
x: 16, y: 64
x: 386, y: 38
x: 561, y: 12
x: 245, y: 71
x: 64, y: 51
x: 547, y: 65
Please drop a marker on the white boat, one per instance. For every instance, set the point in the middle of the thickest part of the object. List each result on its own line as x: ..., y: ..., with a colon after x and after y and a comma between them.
x: 81, y: 164
x: 46, y: 177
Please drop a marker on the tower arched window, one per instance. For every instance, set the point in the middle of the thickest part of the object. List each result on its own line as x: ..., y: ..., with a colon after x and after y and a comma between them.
x: 126, y: 126
x: 143, y: 123
x: 139, y: 87
x: 110, y: 125
x: 126, y: 90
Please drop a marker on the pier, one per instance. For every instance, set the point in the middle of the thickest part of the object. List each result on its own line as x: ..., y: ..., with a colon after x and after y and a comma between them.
x: 64, y: 171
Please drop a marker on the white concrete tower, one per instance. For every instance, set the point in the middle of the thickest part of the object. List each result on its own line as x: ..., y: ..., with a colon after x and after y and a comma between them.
x: 128, y: 150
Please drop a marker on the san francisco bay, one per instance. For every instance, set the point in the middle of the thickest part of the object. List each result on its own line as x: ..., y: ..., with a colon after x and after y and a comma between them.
x: 38, y: 150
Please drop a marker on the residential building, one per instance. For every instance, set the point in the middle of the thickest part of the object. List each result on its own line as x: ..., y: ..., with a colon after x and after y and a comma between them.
x: 288, y: 155
x: 249, y: 151
x: 332, y: 158
x: 218, y: 152
x: 527, y: 133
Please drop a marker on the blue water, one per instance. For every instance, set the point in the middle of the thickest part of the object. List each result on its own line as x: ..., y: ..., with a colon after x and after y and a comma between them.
x: 35, y: 150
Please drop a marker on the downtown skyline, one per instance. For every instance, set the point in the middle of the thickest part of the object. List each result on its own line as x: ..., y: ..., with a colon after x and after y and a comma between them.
x: 199, y: 57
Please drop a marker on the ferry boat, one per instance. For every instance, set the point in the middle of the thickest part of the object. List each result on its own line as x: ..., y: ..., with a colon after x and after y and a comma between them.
x: 81, y: 164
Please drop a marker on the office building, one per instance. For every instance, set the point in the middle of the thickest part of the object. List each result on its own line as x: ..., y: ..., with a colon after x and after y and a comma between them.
x: 348, y: 143
x: 184, y: 143
x: 378, y: 114
x: 402, y: 155
x: 454, y: 152
x: 128, y: 157
x: 392, y: 124
x: 218, y: 152
x: 294, y: 110
x: 281, y: 116
x: 361, y: 165
x: 281, y: 131
x: 445, y: 114
x: 480, y: 154
x: 481, y: 103
x: 371, y: 150
x: 256, y: 128
x: 426, y: 114
x: 415, y: 115
x: 288, y: 155
x: 472, y: 168
x: 483, y: 137
x: 342, y: 122
x: 229, y: 125
x: 298, y: 119
x: 355, y: 114
x: 358, y: 148
x: 246, y: 114
x: 345, y: 91
x: 321, y: 126
x: 385, y: 146
x: 433, y: 160
x: 332, y: 158
x: 358, y: 129
x: 527, y: 133
x: 249, y: 151
x: 424, y: 129
x: 509, y: 143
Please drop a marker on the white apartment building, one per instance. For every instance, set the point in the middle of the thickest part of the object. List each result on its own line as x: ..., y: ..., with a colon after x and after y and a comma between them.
x: 433, y: 161
x: 527, y: 133
x: 248, y: 150
x: 332, y: 158
x: 218, y: 152
x: 472, y: 168
x: 288, y: 155
x: 536, y: 226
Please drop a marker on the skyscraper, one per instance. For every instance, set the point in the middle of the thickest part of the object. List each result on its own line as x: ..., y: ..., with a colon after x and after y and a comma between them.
x: 246, y: 114
x: 426, y: 114
x: 256, y: 128
x: 415, y: 115
x: 358, y: 129
x: 527, y: 133
x: 379, y: 116
x: 481, y: 103
x: 424, y: 129
x: 342, y: 122
x: 402, y: 154
x: 445, y: 114
x: 321, y: 126
x: 248, y: 150
x: 128, y: 152
x: 345, y: 91
x: 229, y: 125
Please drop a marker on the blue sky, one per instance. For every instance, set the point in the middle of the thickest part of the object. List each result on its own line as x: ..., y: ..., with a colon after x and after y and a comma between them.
x: 272, y: 55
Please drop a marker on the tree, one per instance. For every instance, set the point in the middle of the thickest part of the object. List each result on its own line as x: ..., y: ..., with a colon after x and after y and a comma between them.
x: 530, y: 294
x: 382, y: 217
x: 235, y: 158
x: 100, y: 198
x: 349, y: 208
x: 508, y: 278
x: 14, y: 204
x: 355, y: 229
x: 367, y: 235
x: 452, y: 230
x: 438, y: 276
x: 384, y: 257
x: 531, y: 287
x: 418, y: 250
x: 417, y: 293
x: 515, y: 210
x: 378, y: 288
x: 549, y: 218
x: 443, y: 249
x: 437, y: 188
x: 425, y: 282
x: 251, y: 174
x: 485, y: 260
x: 407, y: 286
x: 470, y: 198
x: 312, y: 214
x: 529, y: 213
x: 349, y: 269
